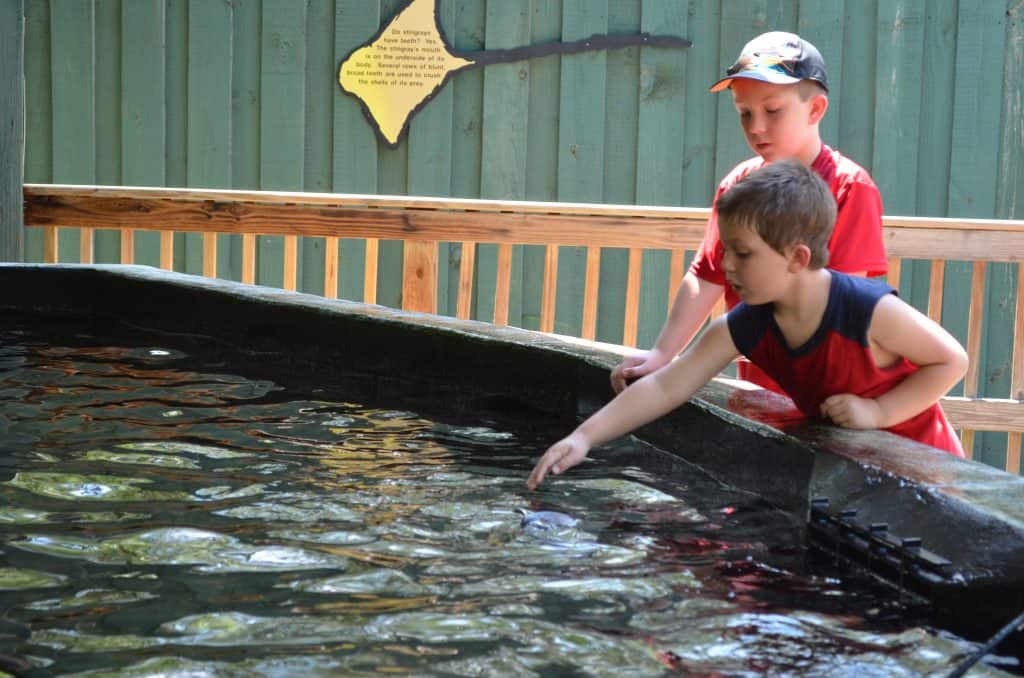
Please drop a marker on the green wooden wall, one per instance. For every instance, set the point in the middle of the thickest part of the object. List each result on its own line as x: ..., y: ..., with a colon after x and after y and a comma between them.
x: 927, y: 94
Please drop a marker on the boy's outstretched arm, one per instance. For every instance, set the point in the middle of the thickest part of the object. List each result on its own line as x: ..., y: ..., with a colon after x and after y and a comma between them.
x: 646, y: 400
x: 692, y: 304
x: 898, y: 329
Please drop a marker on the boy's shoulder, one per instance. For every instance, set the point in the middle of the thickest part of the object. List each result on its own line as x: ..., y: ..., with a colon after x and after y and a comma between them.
x: 739, y: 171
x: 832, y: 166
x: 853, y: 298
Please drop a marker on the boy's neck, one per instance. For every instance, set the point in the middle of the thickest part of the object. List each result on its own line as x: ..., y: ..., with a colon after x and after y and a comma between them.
x: 804, y: 302
x: 813, y: 151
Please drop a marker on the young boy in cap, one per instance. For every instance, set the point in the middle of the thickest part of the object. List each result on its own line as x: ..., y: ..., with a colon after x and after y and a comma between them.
x: 780, y: 90
x: 843, y: 347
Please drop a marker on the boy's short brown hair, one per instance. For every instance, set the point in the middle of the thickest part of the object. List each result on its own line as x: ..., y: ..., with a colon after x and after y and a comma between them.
x: 785, y: 203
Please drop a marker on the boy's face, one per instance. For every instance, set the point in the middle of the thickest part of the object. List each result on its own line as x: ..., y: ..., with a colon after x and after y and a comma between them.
x: 756, y: 272
x: 777, y: 122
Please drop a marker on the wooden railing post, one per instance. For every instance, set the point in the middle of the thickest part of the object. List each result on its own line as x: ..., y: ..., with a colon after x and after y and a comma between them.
x: 419, y: 276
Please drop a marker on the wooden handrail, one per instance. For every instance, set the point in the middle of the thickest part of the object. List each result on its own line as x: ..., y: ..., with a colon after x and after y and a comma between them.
x: 423, y: 223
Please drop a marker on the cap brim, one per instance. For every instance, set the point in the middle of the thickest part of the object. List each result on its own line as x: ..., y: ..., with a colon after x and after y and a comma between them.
x: 762, y: 75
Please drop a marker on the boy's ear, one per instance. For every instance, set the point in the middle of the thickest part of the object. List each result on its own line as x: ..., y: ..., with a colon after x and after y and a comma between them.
x: 819, y: 104
x: 799, y: 257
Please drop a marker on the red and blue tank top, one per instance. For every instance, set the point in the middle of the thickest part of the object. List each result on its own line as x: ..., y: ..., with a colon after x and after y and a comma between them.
x: 837, y: 358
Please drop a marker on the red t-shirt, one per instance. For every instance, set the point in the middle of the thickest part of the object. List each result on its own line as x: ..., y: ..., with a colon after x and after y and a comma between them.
x: 856, y: 243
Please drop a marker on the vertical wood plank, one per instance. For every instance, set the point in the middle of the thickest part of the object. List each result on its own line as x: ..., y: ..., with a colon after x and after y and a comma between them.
x: 430, y: 174
x: 622, y: 105
x: 467, y: 114
x: 699, y: 134
x: 974, y: 328
x: 740, y: 22
x: 659, y: 176
x: 143, y: 119
x: 503, y: 274
x: 464, y: 303
x: 932, y: 198
x: 166, y: 250
x: 583, y: 103
x: 12, y: 129
x: 893, y: 277
x: 1010, y: 178
x: 1013, y: 448
x: 50, y: 244
x: 857, y: 72
x: 175, y: 105
x: 247, y: 17
x: 822, y: 23
x: 86, y: 246
x: 38, y: 118
x: 74, y: 104
x: 541, y: 158
x: 973, y: 181
x: 187, y: 247
x: 331, y: 268
x: 939, y: 69
x: 506, y: 92
x: 127, y: 246
x: 590, y: 287
x: 1013, y: 442
x: 354, y: 146
x: 704, y: 110
x: 392, y: 179
x: 210, y: 255
x: 677, y: 269
x: 935, y: 286
x: 629, y: 331
x: 419, y: 276
x: 1010, y: 194
x: 210, y: 48
x: 1017, y: 363
x: 282, y: 118
x: 550, y: 288
x: 107, y: 247
x: 249, y: 258
x: 290, y: 259
x: 974, y: 324
x: 899, y: 58
x: 245, y: 125
x: 320, y: 84
x: 370, y: 271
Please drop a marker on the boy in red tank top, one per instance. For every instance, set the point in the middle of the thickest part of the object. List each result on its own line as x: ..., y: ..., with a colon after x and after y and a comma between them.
x: 845, y: 348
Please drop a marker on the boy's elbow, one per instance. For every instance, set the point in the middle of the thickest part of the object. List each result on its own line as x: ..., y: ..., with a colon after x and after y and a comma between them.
x: 959, y: 361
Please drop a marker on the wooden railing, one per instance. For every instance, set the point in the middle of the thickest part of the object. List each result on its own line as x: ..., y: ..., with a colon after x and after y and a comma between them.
x: 423, y: 223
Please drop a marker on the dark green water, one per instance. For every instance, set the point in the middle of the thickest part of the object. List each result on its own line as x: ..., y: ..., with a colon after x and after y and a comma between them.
x: 165, y: 516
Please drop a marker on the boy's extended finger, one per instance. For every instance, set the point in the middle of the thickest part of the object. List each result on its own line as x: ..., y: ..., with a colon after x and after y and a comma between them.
x: 539, y: 472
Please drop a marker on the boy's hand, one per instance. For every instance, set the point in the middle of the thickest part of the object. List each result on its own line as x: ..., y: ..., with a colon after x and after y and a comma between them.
x: 636, y: 366
x: 563, y: 455
x: 850, y: 411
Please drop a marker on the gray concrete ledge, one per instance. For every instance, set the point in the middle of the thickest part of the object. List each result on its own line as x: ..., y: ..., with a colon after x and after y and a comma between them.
x: 965, y: 511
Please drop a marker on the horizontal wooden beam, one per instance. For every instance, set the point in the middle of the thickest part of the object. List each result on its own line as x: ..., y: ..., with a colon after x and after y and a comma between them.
x: 342, y: 216
x: 457, y: 220
x: 951, y: 244
x: 985, y: 414
x: 33, y: 191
